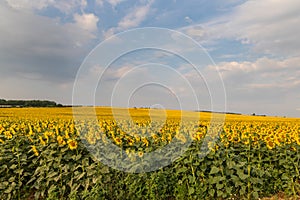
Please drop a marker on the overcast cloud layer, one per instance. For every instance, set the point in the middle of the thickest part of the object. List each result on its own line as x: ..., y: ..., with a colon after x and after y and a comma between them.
x: 254, y: 45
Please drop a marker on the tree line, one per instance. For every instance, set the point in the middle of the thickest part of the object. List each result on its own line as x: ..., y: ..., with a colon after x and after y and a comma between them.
x: 29, y: 103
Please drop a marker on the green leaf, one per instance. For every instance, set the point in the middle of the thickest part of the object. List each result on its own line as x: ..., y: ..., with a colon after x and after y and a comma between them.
x: 50, y: 175
x: 191, y: 190
x: 211, y: 192
x: 241, y: 175
x: 228, y: 189
x: 14, y: 166
x: 214, y: 170
x: 12, y: 179
x: 191, y: 179
x: 219, y: 186
x: 243, y: 190
x: 255, y: 195
x: 181, y: 170
x: 19, y: 171
x: 230, y: 164
x: 4, y: 184
x: 80, y: 176
x: 284, y: 176
x: 104, y: 170
x: 219, y: 193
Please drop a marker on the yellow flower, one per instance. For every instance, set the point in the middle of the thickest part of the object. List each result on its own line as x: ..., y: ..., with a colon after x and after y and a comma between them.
x: 42, y: 141
x: 35, y: 151
x: 293, y: 149
x: 104, y: 139
x: 30, y: 139
x: 181, y: 137
x: 91, y: 139
x: 117, y: 140
x: 2, y: 141
x: 270, y: 145
x: 130, y: 141
x: 141, y: 154
x: 8, y: 135
x: 145, y: 141
x: 67, y: 134
x: 60, y: 140
x: 169, y: 137
x: 72, y: 144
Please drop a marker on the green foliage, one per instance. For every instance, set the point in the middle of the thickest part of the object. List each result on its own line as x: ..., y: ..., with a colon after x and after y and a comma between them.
x: 29, y: 103
x: 228, y: 173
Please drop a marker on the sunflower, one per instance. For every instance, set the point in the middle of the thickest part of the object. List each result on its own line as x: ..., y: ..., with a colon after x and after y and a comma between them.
x: 118, y: 140
x: 270, y: 144
x: 60, y: 140
x: 130, y: 141
x: 140, y: 154
x: 181, y: 137
x: 42, y: 141
x: 145, y: 141
x: 8, y: 135
x: 72, y: 144
x: 91, y: 139
x: 35, y: 151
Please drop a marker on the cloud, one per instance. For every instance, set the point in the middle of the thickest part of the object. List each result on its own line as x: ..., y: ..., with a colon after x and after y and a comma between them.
x: 265, y: 85
x: 113, y: 3
x: 131, y: 20
x: 41, y: 46
x: 195, y: 31
x: 271, y: 26
x: 65, y: 6
x: 262, y: 73
x: 134, y: 18
x: 188, y: 19
x: 87, y: 22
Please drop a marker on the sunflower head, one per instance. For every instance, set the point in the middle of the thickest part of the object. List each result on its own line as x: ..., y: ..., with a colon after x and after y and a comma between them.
x: 72, y: 144
x: 141, y: 154
x: 60, y: 140
x: 270, y: 145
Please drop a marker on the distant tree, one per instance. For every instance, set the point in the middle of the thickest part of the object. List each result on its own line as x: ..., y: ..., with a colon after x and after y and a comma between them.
x: 30, y: 103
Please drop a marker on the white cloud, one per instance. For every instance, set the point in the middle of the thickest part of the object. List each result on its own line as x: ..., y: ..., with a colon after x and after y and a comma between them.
x: 86, y: 21
x: 65, y: 6
x: 287, y: 69
x: 188, y: 19
x: 135, y: 17
x: 131, y: 20
x: 265, y: 86
x: 28, y: 4
x: 196, y: 32
x: 113, y: 3
x: 109, y: 73
x: 99, y: 2
x: 272, y: 26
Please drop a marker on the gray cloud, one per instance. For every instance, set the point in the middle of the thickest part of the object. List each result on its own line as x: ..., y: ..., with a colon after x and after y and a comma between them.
x: 271, y: 26
x: 65, y: 6
x: 267, y: 86
x: 31, y: 44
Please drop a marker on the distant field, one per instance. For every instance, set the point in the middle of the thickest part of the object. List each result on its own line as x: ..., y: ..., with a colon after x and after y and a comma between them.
x: 43, y: 154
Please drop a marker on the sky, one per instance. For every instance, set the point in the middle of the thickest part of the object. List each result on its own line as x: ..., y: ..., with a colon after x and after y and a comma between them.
x: 235, y: 55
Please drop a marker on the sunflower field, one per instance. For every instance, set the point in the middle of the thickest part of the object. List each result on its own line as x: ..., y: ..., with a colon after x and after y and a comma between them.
x: 54, y: 153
